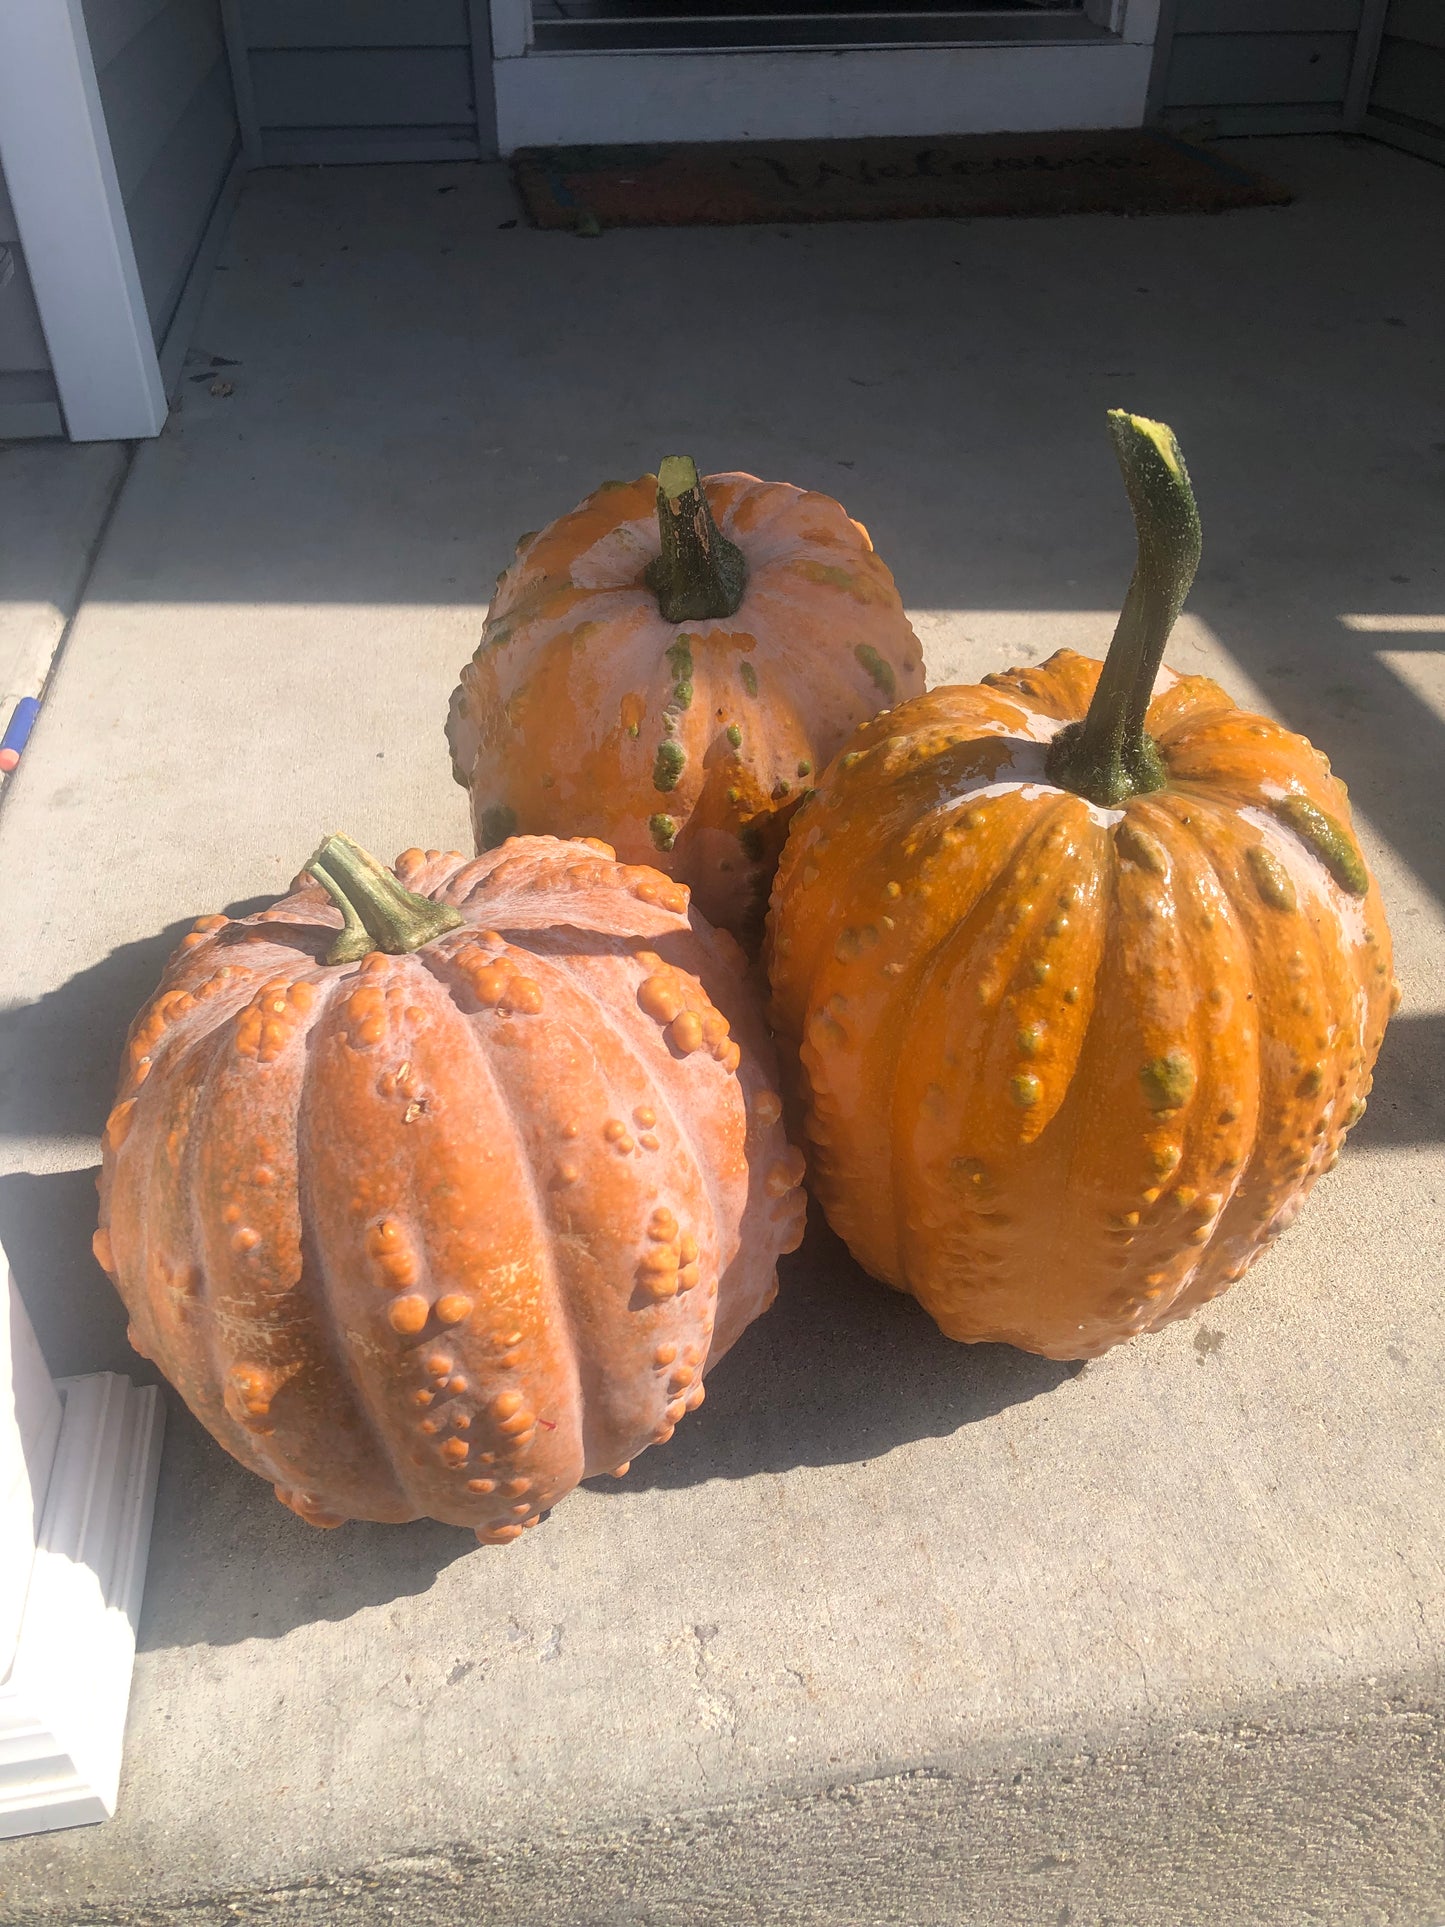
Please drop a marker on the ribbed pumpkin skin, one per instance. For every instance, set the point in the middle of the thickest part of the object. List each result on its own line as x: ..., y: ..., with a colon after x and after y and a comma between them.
x: 1068, y: 1069
x: 442, y: 1234
x: 585, y: 712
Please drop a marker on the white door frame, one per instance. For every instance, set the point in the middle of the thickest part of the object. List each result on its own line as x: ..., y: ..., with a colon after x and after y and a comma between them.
x: 55, y: 149
x: 554, y: 99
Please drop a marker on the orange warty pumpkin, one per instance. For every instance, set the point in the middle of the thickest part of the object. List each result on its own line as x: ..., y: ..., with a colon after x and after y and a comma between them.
x: 1087, y: 974
x: 671, y: 682
x: 440, y: 1215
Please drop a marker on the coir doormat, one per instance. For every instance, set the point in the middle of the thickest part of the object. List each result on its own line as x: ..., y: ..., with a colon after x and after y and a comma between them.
x: 725, y: 184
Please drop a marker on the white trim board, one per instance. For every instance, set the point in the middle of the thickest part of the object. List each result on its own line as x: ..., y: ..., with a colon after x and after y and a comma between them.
x: 63, y: 1701
x: 551, y: 100
x: 61, y: 174
x: 30, y: 1414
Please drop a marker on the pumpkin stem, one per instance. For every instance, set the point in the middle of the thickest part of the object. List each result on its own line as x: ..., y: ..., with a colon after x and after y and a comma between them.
x: 377, y: 912
x: 700, y: 574
x: 1108, y: 756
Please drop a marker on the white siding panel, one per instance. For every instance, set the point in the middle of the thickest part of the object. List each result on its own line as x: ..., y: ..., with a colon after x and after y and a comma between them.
x: 1267, y: 16
x: 1410, y: 82
x: 27, y: 386
x: 364, y: 80
x: 22, y: 343
x: 172, y: 203
x: 363, y: 87
x: 1407, y: 96
x: 147, y: 89
x: 113, y: 24
x: 356, y: 23
x: 1422, y: 20
x: 1245, y: 70
x: 1263, y: 66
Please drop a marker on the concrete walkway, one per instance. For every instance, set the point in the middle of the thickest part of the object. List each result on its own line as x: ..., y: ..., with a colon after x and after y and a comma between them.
x: 891, y: 1632
x: 54, y: 500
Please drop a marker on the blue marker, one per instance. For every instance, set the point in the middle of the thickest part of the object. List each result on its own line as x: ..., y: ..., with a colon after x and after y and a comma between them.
x: 17, y: 732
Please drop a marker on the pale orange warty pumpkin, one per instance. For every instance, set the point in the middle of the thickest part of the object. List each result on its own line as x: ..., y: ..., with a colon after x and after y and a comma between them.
x: 668, y: 665
x: 442, y: 1232
x: 1084, y: 1007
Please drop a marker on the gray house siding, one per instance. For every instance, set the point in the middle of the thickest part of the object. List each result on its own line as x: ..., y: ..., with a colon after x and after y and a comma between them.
x: 364, y: 80
x: 1407, y: 99
x: 28, y: 404
x: 1257, y: 66
x: 166, y: 90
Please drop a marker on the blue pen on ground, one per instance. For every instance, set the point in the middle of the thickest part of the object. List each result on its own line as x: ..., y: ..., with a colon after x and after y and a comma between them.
x: 17, y: 732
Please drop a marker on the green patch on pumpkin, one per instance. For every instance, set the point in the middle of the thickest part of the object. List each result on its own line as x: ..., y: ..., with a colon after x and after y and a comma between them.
x: 879, y: 671
x: 663, y: 831
x: 749, y: 676
x: 1328, y: 840
x: 831, y: 577
x: 735, y: 735
x: 1168, y: 1081
x: 668, y: 765
x: 679, y: 659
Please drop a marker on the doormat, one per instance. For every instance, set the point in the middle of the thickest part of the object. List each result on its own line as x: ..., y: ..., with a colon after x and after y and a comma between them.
x: 731, y: 183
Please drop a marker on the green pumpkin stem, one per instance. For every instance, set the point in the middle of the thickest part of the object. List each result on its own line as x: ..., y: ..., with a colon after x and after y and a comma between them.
x: 700, y: 574
x: 377, y: 912
x: 1109, y: 757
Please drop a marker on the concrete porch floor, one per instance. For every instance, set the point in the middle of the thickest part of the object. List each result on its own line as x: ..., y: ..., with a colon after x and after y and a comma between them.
x: 891, y: 1632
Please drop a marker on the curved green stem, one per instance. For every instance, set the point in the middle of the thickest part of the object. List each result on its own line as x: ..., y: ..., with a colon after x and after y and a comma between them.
x: 700, y: 574
x: 1109, y: 757
x: 377, y: 912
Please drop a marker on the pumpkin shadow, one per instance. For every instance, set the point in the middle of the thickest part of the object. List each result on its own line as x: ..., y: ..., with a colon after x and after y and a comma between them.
x: 46, y: 1222
x: 60, y: 1055
x: 229, y: 1562
x: 1406, y: 1106
x: 840, y: 1370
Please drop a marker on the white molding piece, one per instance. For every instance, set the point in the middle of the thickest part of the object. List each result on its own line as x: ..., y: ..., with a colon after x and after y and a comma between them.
x: 552, y: 100
x: 30, y: 1413
x: 63, y: 1700
x: 55, y: 150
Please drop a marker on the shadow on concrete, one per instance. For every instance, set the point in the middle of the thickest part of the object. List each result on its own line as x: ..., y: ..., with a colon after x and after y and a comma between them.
x: 230, y: 1562
x: 840, y: 1370
x: 60, y: 1056
x: 46, y: 1222
x: 1407, y: 1104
